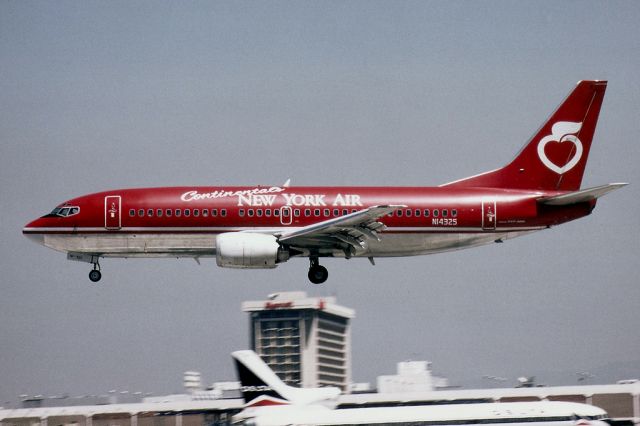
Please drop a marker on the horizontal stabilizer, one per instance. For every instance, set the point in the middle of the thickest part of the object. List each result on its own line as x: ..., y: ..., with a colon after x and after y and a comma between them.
x: 582, y: 196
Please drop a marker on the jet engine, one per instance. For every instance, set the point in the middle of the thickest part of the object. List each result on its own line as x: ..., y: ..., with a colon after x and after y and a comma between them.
x: 246, y: 250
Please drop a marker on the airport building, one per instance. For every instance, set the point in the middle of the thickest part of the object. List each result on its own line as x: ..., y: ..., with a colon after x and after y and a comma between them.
x: 305, y: 340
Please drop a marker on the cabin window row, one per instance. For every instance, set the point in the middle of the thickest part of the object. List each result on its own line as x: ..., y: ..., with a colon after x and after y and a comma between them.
x: 177, y: 212
x: 425, y: 213
x: 295, y: 212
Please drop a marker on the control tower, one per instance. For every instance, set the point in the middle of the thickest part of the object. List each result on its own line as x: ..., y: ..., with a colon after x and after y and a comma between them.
x: 305, y: 340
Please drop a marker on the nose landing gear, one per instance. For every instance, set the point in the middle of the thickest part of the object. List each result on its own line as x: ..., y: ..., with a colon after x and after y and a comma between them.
x: 317, y: 273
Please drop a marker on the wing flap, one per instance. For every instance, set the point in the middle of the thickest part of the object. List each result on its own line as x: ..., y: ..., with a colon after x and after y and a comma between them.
x: 582, y: 196
x: 352, y: 230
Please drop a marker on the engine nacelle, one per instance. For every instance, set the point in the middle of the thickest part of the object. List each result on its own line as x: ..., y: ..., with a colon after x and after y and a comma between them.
x: 249, y: 250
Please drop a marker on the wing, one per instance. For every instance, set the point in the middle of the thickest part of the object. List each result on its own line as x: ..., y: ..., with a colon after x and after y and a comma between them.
x: 349, y: 233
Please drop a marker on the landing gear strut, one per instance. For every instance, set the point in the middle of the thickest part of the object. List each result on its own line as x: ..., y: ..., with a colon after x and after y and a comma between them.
x: 95, y: 273
x: 317, y: 273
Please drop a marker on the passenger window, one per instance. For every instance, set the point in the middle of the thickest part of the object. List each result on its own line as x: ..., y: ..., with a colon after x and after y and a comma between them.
x: 399, y: 212
x: 132, y: 212
x: 336, y: 212
x: 408, y: 212
x: 196, y: 212
x: 345, y: 212
x: 276, y: 212
x: 316, y: 212
x: 326, y: 212
x: 241, y: 212
x: 426, y: 212
x: 307, y: 212
x: 187, y: 212
x: 223, y: 212
x: 454, y: 213
x: 259, y: 212
x: 267, y: 212
x: 285, y: 212
x: 205, y: 212
x: 296, y: 212
x: 250, y: 212
x: 214, y: 212
x: 445, y: 212
x: 436, y: 213
x: 168, y: 212
x: 178, y: 212
x: 159, y: 212
x: 417, y: 212
x: 150, y: 212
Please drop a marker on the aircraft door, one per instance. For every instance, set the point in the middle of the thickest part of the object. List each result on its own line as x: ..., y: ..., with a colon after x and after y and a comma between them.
x: 489, y: 215
x: 112, y: 212
x: 286, y: 215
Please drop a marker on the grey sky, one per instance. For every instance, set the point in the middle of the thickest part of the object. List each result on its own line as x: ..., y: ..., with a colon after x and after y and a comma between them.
x: 103, y: 95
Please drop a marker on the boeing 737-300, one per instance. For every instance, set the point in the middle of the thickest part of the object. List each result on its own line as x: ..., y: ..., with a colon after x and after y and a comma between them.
x: 264, y: 226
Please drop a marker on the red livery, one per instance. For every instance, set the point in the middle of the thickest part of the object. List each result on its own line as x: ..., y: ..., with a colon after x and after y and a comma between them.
x: 263, y: 226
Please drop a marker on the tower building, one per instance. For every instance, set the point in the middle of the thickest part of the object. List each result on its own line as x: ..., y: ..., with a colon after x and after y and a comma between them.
x: 305, y: 340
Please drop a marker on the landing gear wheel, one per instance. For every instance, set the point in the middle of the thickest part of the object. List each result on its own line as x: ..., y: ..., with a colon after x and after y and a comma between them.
x: 95, y: 275
x: 318, y: 274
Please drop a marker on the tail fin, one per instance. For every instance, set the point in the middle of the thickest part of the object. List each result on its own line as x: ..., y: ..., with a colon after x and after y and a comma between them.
x: 261, y: 387
x: 555, y: 158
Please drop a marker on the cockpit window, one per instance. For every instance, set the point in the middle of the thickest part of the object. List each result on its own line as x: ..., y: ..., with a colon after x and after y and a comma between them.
x: 65, y: 211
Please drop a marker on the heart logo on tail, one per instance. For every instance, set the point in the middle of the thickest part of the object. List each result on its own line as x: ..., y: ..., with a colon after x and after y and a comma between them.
x: 561, y: 132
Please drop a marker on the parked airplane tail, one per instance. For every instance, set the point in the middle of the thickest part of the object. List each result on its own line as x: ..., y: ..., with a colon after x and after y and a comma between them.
x: 261, y: 387
x: 556, y: 156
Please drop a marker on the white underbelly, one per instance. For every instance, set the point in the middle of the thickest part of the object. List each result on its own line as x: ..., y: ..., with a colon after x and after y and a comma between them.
x: 203, y: 244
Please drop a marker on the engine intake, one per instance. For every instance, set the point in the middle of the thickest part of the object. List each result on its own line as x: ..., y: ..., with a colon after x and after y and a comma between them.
x: 246, y: 250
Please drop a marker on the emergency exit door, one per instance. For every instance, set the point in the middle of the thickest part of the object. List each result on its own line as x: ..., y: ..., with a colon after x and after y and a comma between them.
x: 112, y: 212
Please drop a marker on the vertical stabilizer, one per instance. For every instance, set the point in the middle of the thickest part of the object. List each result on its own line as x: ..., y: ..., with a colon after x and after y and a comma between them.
x: 261, y: 387
x: 556, y: 156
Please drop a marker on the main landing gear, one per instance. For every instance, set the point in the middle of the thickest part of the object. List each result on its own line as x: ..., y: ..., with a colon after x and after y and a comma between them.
x: 95, y: 273
x: 317, y: 273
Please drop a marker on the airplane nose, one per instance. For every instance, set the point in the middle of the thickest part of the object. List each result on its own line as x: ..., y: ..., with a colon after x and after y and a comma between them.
x: 32, y: 231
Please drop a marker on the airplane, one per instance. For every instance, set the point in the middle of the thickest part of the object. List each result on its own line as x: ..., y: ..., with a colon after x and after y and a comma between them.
x: 270, y: 402
x: 264, y: 226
